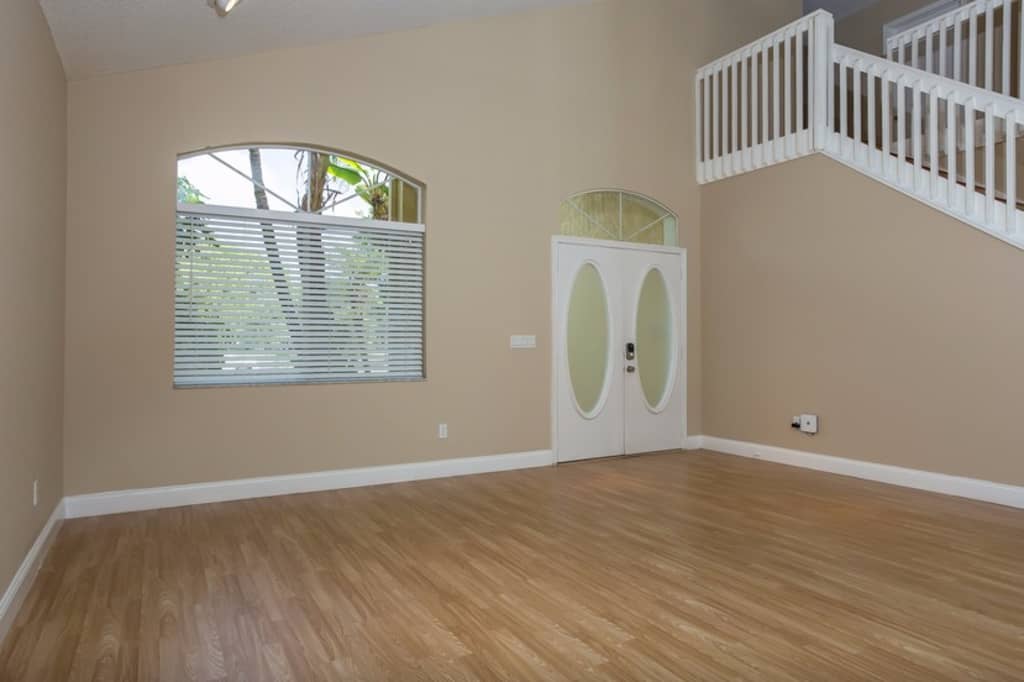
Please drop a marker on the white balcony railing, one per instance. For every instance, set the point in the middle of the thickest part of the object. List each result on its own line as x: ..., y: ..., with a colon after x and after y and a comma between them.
x: 978, y: 44
x: 765, y: 102
x: 795, y: 92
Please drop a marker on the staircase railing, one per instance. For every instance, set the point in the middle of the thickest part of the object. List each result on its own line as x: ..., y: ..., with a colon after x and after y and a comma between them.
x: 978, y: 44
x: 942, y: 141
x: 795, y: 92
x: 765, y: 102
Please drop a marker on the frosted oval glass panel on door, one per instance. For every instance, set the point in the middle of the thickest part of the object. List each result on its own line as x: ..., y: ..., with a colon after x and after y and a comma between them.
x: 587, y: 339
x: 655, y: 340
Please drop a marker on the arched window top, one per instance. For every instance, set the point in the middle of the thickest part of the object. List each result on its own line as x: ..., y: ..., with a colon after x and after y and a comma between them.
x: 620, y: 216
x: 302, y: 180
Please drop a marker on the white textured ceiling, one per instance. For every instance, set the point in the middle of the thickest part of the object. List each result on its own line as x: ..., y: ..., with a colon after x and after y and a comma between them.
x: 839, y: 8
x: 96, y: 37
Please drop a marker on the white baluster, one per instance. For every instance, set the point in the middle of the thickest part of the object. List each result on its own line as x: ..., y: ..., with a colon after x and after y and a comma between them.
x: 933, y: 141
x: 942, y: 49
x: 765, y: 103
x: 886, y: 132
x: 857, y: 66
x: 1007, y: 26
x: 1011, y: 172
x: 787, y: 47
x: 969, y: 151
x: 755, y: 101
x: 872, y: 114
x: 957, y: 55
x: 916, y: 112
x: 744, y: 114
x: 801, y: 120
x: 700, y: 124
x: 817, y: 79
x: 707, y: 127
x: 715, y: 141
x: 734, y: 115
x: 778, y: 151
x: 929, y: 32
x: 842, y: 107
x: 901, y: 129
x: 725, y: 153
x: 990, y: 165
x: 951, y: 150
x: 990, y: 27
x: 972, y: 46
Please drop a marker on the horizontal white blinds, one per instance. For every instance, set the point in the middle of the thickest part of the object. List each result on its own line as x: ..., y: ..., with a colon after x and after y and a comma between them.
x: 271, y: 297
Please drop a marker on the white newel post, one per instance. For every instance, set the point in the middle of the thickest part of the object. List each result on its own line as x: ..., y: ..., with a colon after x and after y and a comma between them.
x: 821, y: 67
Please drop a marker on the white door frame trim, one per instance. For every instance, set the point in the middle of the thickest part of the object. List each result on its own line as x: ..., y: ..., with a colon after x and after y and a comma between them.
x: 556, y: 355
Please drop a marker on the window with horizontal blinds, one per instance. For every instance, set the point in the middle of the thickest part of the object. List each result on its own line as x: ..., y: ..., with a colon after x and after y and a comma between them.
x: 266, y: 297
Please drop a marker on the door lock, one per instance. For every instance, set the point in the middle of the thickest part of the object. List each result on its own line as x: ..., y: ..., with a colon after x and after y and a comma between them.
x: 630, y: 350
x: 630, y: 369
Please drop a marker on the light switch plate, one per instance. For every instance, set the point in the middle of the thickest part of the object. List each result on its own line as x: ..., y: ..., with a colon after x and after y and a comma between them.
x: 520, y: 341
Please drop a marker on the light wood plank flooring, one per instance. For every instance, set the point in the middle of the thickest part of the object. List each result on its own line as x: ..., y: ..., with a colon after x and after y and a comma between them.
x: 672, y: 566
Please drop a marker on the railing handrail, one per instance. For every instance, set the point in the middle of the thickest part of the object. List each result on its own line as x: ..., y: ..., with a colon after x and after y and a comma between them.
x: 803, y: 24
x: 962, y: 13
x: 983, y: 98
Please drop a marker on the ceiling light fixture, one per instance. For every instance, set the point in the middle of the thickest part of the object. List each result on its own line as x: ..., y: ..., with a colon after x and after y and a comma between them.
x: 223, y: 7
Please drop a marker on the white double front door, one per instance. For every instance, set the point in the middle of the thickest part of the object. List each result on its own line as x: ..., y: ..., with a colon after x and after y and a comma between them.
x: 619, y: 348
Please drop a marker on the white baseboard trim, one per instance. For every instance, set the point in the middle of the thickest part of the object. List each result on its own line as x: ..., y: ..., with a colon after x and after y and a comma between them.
x: 959, y: 486
x: 693, y: 443
x: 100, y: 504
x: 22, y: 581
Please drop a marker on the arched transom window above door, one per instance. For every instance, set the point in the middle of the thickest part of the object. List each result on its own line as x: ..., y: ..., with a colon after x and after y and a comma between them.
x: 619, y: 216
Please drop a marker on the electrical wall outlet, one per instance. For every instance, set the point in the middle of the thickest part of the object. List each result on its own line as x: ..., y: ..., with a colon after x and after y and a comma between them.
x: 35, y: 493
x: 442, y: 431
x: 809, y: 423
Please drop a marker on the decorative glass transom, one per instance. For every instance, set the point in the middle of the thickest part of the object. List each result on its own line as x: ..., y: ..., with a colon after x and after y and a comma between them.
x: 619, y: 216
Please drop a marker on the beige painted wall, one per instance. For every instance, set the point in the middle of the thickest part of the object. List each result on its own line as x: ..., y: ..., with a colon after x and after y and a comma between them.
x: 546, y: 103
x: 32, y: 189
x: 899, y: 326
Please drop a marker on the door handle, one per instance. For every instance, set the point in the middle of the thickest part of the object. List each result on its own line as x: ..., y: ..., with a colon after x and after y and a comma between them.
x: 630, y: 350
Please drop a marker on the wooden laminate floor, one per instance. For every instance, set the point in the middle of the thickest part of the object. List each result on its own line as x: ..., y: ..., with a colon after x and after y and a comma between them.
x: 671, y: 566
